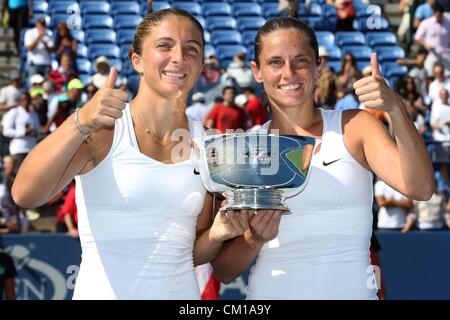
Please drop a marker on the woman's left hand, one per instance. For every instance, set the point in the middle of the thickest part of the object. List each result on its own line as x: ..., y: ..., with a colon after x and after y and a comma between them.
x: 228, y: 225
x: 373, y: 91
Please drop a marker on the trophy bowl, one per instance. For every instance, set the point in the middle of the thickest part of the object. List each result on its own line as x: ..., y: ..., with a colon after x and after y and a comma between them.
x: 253, y: 170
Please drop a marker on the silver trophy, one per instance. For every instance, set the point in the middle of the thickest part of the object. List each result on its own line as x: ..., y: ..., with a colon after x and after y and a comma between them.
x: 255, y: 171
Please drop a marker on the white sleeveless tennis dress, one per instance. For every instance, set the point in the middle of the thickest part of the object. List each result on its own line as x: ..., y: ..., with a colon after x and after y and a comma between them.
x: 322, y: 248
x: 137, y: 223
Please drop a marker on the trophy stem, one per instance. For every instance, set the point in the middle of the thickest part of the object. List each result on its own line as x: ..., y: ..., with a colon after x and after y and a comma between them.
x: 255, y: 198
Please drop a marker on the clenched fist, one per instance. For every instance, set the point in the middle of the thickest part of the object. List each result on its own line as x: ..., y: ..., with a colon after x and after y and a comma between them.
x: 104, y: 107
x: 373, y: 91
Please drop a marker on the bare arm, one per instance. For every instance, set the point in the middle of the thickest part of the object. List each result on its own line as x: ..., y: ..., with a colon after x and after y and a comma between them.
x: 54, y: 162
x: 404, y: 165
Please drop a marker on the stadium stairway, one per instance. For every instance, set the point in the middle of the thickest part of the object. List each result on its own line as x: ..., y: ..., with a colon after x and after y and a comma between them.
x: 9, y: 60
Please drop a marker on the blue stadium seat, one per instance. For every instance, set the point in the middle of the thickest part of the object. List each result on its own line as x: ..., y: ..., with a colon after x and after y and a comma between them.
x: 314, y: 9
x: 244, y: 9
x: 125, y: 36
x: 84, y: 66
x: 325, y: 38
x: 191, y: 7
x: 335, y: 53
x: 128, y: 69
x: 100, y: 36
x: 359, y: 52
x: 57, y: 18
x: 97, y: 21
x: 207, y: 36
x: 95, y: 7
x: 329, y: 11
x: 317, y: 23
x: 63, y: 7
x: 125, y: 7
x: 124, y: 48
x: 78, y: 35
x: 371, y: 24
x: 250, y: 53
x: 248, y: 37
x: 389, y: 53
x: 226, y: 37
x: 202, y: 21
x: 38, y: 16
x: 217, y: 9
x: 229, y: 51
x: 270, y: 9
x: 82, y: 50
x: 380, y: 38
x: 85, y: 78
x: 210, y: 50
x: 127, y: 21
x: 109, y: 50
x: 157, y: 5
x: 237, y: 1
x: 250, y: 23
x: 350, y: 38
x: 362, y: 64
x: 218, y: 23
x: 114, y: 62
x: 367, y: 10
x: 40, y: 7
x: 392, y: 69
x: 335, y: 65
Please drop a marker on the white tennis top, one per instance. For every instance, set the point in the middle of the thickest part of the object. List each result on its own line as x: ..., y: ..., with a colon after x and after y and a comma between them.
x: 137, y: 223
x: 322, y: 248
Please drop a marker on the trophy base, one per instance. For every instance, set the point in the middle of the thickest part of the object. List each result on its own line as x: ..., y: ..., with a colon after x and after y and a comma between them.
x: 254, y: 199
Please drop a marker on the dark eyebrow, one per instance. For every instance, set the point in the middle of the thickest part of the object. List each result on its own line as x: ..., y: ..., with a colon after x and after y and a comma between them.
x: 164, y: 38
x: 172, y: 40
x: 196, y: 42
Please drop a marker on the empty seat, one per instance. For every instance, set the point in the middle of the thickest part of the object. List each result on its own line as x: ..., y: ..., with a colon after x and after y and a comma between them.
x: 350, y: 38
x: 359, y: 52
x: 157, y: 5
x: 108, y: 50
x: 210, y: 50
x: 83, y: 65
x: 95, y: 7
x: 82, y: 50
x: 249, y: 36
x: 270, y: 9
x: 389, y: 53
x: 127, y: 21
x: 335, y: 53
x: 217, y: 9
x: 217, y: 23
x: 202, y: 21
x: 392, y: 69
x: 125, y: 7
x: 243, y: 9
x: 191, y: 7
x: 124, y: 49
x: 229, y: 51
x: 207, y: 36
x: 380, y: 38
x: 250, y: 23
x: 325, y: 38
x: 314, y: 9
x: 226, y: 37
x: 125, y: 36
x: 100, y: 36
x: 78, y: 35
x: 63, y: 7
x: 57, y: 18
x: 371, y: 24
x: 97, y: 21
x: 40, y: 7
x: 85, y: 78
x: 335, y: 65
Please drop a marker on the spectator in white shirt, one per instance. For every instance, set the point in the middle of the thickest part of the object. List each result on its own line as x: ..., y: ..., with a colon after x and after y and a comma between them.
x: 439, y: 82
x: 9, y: 95
x: 198, y: 110
x: 440, y: 123
x: 21, y: 124
x: 239, y: 71
x: 393, y: 205
x: 39, y: 43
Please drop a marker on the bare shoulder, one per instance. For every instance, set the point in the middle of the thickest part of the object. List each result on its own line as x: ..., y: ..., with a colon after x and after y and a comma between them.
x: 98, y: 146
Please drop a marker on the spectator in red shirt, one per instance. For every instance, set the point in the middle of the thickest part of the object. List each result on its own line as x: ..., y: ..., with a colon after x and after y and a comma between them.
x: 70, y: 213
x: 227, y: 115
x: 255, y: 107
x: 64, y: 73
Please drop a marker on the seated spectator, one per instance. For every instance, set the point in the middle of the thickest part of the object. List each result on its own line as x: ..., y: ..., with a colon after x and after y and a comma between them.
x: 103, y: 65
x: 255, y: 107
x: 440, y: 122
x: 440, y: 82
x: 393, y: 207
x: 7, y: 277
x: 433, y: 214
x: 10, y: 220
x: 239, y: 71
x: 434, y: 34
x: 348, y: 75
x: 325, y: 92
x: 21, y: 124
x: 346, y: 14
x: 227, y: 116
x: 39, y: 104
x: 65, y: 72
x: 288, y: 8
x: 39, y: 44
x: 64, y: 42
x: 9, y: 95
x: 418, y: 71
x: 36, y: 81
x: 198, y: 110
x: 211, y: 73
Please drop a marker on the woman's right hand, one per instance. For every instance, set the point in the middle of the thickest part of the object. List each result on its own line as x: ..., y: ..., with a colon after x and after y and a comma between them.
x: 263, y: 227
x: 104, y: 107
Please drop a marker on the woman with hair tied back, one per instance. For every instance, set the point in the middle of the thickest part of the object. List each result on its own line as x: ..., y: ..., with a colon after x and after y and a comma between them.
x: 144, y: 217
x: 321, y: 250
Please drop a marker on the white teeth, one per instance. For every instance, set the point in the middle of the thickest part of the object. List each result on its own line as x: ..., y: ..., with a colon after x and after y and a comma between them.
x: 290, y: 86
x: 174, y: 74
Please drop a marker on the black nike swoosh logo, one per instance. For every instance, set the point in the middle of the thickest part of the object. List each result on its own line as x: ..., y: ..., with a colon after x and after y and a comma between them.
x: 328, y: 163
x: 196, y: 172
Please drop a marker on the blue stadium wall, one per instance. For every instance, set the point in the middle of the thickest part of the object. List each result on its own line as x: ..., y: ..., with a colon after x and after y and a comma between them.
x: 414, y: 266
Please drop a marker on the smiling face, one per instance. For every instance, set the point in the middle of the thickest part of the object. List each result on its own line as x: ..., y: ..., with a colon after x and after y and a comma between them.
x: 287, y: 67
x: 171, y: 58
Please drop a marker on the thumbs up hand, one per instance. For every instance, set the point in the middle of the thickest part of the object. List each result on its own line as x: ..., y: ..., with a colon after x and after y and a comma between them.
x: 104, y: 107
x: 373, y: 91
